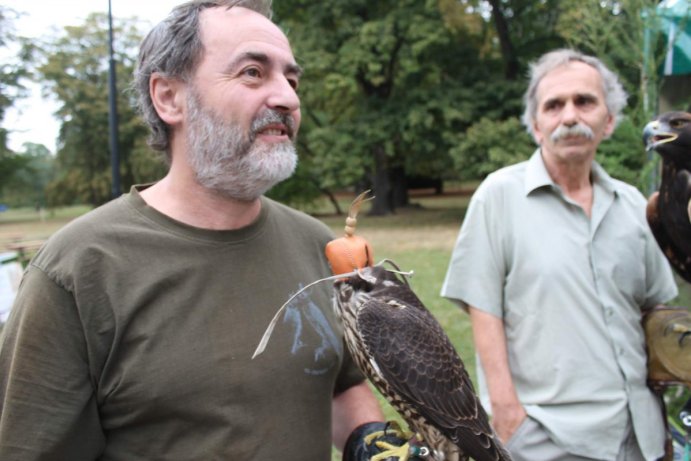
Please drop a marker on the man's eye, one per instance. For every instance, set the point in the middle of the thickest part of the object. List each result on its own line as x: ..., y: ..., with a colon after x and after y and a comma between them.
x: 585, y: 101
x: 252, y: 72
x: 552, y: 105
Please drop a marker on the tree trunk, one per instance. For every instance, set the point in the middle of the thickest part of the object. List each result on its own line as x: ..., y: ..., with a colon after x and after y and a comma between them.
x: 332, y: 199
x: 507, y: 48
x: 383, y: 194
x: 399, y: 186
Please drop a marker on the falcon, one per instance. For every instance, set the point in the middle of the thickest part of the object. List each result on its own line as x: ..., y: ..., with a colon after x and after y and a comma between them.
x: 669, y: 209
x: 403, y: 350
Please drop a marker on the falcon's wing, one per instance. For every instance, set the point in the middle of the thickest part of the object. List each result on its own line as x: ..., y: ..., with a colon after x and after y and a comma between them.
x: 418, y: 361
x: 676, y: 256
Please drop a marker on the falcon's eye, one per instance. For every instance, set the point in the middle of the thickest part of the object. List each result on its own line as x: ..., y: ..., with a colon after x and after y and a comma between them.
x: 678, y: 123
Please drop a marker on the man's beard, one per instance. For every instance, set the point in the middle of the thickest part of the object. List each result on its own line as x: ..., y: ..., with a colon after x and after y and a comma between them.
x: 231, y: 163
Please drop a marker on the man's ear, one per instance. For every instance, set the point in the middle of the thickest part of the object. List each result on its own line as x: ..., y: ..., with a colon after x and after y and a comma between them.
x: 609, y: 126
x: 167, y: 96
x: 537, y: 134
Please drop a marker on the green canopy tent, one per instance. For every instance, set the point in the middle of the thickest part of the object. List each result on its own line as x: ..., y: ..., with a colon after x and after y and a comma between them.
x: 668, y: 77
x: 672, y: 20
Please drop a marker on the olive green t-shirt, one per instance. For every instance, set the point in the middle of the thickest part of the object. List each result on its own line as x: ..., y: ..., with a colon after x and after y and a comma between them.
x: 132, y: 335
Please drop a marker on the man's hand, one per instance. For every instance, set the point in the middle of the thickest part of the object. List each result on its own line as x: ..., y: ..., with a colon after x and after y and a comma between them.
x: 506, y: 418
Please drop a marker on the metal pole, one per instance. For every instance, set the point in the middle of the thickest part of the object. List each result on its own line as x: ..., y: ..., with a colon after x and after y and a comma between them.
x: 113, y: 112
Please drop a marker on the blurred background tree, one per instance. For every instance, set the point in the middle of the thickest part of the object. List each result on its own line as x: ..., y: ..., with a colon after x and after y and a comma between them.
x: 12, y: 71
x: 395, y: 94
x: 74, y: 69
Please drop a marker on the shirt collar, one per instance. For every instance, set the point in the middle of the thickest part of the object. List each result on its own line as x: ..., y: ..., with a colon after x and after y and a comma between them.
x: 537, y: 176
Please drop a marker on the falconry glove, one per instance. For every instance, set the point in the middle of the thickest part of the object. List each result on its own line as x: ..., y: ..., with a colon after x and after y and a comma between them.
x: 668, y: 341
x: 371, y: 441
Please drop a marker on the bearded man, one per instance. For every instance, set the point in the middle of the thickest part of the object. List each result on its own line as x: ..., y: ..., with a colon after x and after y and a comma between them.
x: 555, y: 263
x: 132, y: 333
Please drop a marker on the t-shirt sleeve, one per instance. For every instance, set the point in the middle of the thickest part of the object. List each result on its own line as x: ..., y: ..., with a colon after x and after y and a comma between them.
x: 349, y: 374
x: 47, y: 401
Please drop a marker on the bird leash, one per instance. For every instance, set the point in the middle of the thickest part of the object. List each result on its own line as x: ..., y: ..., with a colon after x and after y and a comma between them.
x: 347, y: 255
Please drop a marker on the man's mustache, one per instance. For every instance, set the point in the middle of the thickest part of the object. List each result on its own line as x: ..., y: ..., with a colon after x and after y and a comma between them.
x: 578, y: 129
x: 271, y: 117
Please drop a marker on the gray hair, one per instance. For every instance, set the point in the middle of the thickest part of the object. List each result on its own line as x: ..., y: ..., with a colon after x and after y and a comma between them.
x: 615, y: 96
x: 173, y: 48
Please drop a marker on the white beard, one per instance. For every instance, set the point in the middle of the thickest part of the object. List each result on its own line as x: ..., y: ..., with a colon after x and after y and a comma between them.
x: 234, y: 165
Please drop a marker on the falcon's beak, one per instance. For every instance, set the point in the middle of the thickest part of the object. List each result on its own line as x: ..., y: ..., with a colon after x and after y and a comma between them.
x: 655, y: 134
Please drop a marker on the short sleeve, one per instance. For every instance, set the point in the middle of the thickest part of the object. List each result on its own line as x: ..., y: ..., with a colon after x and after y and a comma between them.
x: 475, y: 276
x: 47, y: 402
x: 349, y: 375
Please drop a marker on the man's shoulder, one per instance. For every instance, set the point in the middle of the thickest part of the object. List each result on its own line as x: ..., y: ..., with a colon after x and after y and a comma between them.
x: 509, y: 179
x: 90, y: 222
x: 294, y: 218
x: 71, y: 240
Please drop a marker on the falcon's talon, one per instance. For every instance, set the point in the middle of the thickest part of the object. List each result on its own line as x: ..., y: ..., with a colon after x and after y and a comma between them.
x: 402, y: 453
x: 374, y: 435
x: 392, y: 429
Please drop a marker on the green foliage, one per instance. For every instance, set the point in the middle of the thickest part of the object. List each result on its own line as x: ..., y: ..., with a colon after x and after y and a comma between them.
x: 385, y: 85
x: 623, y: 155
x: 418, y: 86
x: 488, y: 145
x: 74, y: 68
x: 10, y: 163
x: 300, y: 190
x: 12, y: 73
x: 33, y: 171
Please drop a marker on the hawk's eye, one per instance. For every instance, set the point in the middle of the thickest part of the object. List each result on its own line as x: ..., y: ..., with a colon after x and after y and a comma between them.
x: 678, y: 123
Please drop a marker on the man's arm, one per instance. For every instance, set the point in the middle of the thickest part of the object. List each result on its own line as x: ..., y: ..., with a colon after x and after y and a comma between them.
x: 490, y: 343
x: 351, y: 408
x: 47, y: 404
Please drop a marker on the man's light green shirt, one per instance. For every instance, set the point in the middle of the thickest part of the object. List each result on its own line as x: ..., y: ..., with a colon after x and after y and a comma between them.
x: 570, y: 290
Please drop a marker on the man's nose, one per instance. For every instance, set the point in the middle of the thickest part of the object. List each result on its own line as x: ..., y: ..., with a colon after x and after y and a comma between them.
x: 283, y: 96
x: 569, y: 115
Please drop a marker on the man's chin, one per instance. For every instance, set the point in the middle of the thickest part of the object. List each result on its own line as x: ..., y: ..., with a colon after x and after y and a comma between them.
x: 247, y: 192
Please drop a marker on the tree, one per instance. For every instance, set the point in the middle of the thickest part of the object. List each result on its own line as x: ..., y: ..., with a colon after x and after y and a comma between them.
x: 489, y: 145
x: 74, y: 70
x: 12, y: 71
x: 27, y: 185
x: 525, y: 29
x: 381, y: 90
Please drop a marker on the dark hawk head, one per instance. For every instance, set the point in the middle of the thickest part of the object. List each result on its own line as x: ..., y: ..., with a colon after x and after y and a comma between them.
x: 670, y: 136
x: 367, y: 283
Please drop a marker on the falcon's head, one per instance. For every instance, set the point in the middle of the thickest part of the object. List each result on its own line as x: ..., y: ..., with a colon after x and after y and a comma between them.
x: 670, y: 136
